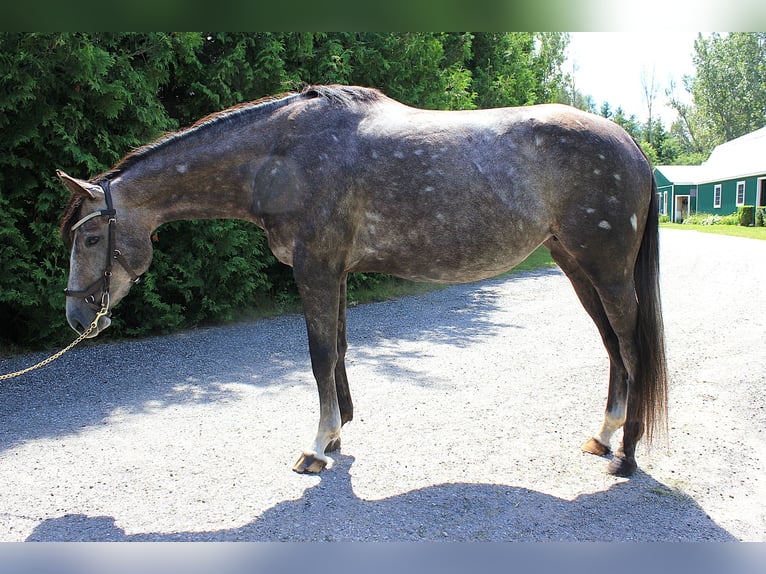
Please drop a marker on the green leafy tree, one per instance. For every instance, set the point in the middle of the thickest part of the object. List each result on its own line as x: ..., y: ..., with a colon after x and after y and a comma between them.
x: 548, y: 60
x: 728, y: 89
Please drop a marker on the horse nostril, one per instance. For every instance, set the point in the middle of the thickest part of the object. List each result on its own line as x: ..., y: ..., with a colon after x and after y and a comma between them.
x: 76, y: 325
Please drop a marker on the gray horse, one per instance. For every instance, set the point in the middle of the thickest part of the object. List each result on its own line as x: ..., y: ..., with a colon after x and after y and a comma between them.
x: 345, y: 179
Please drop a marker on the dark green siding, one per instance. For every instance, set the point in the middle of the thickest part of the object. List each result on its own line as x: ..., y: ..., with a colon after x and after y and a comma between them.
x: 668, y: 194
x: 661, y: 180
x: 728, y: 195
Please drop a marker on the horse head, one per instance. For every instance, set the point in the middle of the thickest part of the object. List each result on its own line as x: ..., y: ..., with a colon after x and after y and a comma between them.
x: 109, y: 252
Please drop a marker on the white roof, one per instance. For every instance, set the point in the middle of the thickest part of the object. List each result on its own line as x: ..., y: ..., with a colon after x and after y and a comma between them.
x: 681, y: 174
x: 741, y: 157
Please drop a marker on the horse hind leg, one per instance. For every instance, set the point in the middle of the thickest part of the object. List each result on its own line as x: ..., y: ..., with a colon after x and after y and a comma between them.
x: 345, y: 403
x: 616, y: 406
x: 614, y: 416
x: 619, y: 301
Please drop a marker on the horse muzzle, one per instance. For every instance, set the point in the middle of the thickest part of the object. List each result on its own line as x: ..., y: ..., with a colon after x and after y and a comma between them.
x: 81, y: 320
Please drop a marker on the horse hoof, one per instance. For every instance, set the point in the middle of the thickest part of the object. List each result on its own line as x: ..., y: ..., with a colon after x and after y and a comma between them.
x: 593, y: 446
x: 621, y: 466
x: 310, y: 463
x: 333, y: 446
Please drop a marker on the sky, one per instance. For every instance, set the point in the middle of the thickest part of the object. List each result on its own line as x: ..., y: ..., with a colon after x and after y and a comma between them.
x: 608, y: 66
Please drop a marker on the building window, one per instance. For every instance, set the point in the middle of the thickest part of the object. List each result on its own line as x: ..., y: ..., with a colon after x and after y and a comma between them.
x: 717, y: 196
x: 740, y: 193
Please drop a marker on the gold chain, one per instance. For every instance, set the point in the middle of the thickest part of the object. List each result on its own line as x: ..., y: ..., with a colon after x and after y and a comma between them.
x: 103, y: 311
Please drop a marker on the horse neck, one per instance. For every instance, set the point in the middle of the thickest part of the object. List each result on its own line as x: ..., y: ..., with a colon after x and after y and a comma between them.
x: 186, y: 184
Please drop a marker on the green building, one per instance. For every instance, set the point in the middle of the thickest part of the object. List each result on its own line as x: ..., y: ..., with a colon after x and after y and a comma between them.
x: 733, y: 175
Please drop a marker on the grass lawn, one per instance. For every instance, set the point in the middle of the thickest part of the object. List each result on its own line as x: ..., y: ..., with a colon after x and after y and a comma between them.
x: 735, y: 230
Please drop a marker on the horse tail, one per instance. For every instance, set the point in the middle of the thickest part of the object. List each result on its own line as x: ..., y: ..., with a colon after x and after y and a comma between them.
x: 651, y: 380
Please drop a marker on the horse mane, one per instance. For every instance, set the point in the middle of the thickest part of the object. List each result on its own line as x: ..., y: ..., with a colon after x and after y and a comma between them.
x: 70, y: 216
x: 344, y: 96
x: 336, y: 95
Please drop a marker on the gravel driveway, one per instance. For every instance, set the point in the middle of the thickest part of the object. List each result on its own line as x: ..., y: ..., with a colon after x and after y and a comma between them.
x: 471, y: 405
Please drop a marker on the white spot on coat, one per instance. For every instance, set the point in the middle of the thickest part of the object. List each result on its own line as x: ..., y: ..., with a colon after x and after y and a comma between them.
x: 617, y: 177
x: 182, y: 168
x: 590, y: 210
x: 604, y: 224
x: 398, y: 155
x: 634, y: 222
x: 597, y: 171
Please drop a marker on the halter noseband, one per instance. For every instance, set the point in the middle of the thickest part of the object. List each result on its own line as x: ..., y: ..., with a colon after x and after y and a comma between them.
x: 102, y: 284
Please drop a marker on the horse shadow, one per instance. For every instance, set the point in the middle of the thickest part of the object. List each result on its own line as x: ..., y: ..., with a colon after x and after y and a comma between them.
x: 389, y: 336
x: 640, y: 509
x: 87, y: 385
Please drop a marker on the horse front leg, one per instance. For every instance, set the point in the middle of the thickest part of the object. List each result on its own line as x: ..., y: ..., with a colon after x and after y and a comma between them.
x: 320, y: 296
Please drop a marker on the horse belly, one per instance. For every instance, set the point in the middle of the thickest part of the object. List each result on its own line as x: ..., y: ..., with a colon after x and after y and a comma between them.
x: 443, y: 249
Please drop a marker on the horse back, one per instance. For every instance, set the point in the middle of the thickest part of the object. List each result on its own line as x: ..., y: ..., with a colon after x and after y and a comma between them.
x: 452, y: 196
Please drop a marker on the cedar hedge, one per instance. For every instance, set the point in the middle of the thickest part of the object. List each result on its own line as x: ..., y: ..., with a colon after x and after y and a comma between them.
x: 80, y: 101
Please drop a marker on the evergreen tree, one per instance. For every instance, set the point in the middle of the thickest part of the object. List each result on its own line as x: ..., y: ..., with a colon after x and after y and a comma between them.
x: 81, y: 101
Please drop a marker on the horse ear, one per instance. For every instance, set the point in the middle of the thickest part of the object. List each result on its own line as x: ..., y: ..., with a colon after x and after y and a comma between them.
x: 80, y: 187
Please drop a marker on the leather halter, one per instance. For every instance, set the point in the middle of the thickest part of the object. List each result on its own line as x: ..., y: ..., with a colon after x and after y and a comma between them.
x: 102, y: 284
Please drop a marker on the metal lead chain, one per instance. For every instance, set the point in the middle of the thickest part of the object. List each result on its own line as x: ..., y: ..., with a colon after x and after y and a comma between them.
x: 103, y: 311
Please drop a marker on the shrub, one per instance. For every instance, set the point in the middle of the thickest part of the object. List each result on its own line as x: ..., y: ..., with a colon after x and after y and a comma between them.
x: 746, y: 215
x: 703, y: 219
x: 760, y: 215
x: 712, y: 219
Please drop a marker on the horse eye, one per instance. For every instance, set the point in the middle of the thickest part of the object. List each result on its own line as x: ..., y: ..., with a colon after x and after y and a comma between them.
x: 92, y: 240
